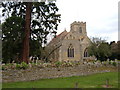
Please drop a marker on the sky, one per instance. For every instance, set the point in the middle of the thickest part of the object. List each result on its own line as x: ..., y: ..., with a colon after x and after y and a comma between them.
x: 101, y: 17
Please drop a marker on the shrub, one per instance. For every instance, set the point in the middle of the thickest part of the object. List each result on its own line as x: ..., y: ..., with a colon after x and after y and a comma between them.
x: 58, y: 63
x: 32, y: 64
x: 104, y: 63
x: 8, y: 66
x: 114, y: 64
x: 23, y: 65
x: 109, y: 62
x: 3, y: 68
x: 18, y: 66
x: 69, y: 64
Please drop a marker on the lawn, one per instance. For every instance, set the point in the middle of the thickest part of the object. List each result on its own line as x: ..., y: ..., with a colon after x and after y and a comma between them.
x: 90, y: 81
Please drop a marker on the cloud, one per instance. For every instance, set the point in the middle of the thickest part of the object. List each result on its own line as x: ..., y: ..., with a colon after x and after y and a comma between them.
x: 101, y: 16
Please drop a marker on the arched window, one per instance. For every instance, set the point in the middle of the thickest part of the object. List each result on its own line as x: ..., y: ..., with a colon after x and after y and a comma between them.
x: 86, y: 53
x: 70, y: 51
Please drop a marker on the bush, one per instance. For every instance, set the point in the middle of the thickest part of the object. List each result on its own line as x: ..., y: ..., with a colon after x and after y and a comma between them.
x: 114, y: 64
x: 58, y: 63
x: 69, y: 64
x: 3, y: 68
x: 8, y: 66
x: 18, y: 66
x: 109, y: 62
x: 23, y: 65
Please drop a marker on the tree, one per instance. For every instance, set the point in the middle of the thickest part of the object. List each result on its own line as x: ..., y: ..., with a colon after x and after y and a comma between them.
x: 118, y: 50
x: 99, y: 48
x: 12, y: 38
x: 0, y: 43
x: 115, y: 49
x: 25, y: 51
x: 104, y: 51
x: 43, y: 22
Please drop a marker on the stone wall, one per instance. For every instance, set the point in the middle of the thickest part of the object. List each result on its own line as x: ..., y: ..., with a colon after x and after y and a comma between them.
x: 37, y: 72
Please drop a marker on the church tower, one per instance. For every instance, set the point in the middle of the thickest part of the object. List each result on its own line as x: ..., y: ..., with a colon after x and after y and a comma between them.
x: 71, y: 46
x: 79, y: 27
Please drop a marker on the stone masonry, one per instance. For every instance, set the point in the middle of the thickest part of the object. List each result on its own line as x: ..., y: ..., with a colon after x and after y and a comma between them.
x: 70, y: 46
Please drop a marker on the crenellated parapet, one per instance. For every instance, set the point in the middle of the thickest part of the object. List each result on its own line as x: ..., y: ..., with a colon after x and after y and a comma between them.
x: 78, y: 23
x: 79, y: 27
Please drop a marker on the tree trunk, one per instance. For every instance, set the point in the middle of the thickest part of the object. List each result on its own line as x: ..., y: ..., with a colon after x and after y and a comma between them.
x: 25, y: 50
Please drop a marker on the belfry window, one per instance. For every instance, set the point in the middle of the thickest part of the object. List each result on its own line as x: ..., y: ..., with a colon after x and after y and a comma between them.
x: 70, y: 51
x: 80, y: 30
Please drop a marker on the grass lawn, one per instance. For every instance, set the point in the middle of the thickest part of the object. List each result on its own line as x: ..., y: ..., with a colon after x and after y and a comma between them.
x: 90, y: 81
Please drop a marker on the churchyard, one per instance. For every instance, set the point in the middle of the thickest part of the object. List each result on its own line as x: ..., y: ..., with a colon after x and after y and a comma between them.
x: 60, y: 74
x: 30, y: 30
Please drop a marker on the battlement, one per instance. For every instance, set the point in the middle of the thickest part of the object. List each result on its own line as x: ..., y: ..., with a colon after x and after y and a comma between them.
x: 79, y: 27
x: 79, y: 23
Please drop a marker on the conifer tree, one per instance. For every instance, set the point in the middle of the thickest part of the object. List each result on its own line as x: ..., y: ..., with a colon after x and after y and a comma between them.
x: 39, y: 19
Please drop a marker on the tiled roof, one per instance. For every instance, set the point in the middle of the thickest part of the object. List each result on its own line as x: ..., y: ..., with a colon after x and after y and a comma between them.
x: 59, y: 36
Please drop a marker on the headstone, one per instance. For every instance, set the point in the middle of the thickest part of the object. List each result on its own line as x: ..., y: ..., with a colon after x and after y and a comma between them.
x: 76, y: 85
x: 107, y: 83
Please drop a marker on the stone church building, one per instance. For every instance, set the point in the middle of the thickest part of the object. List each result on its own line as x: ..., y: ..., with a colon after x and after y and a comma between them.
x: 70, y: 46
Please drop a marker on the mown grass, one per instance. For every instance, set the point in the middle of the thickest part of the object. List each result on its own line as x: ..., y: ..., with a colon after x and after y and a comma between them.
x: 89, y: 81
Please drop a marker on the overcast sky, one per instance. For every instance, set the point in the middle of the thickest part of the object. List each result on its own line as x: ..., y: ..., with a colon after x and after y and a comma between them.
x: 101, y: 16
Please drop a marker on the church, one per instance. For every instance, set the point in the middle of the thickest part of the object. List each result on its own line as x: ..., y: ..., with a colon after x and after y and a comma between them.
x: 70, y: 46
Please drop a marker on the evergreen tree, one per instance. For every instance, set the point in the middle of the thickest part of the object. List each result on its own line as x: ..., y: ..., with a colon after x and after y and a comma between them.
x: 39, y: 20
x: 12, y: 38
